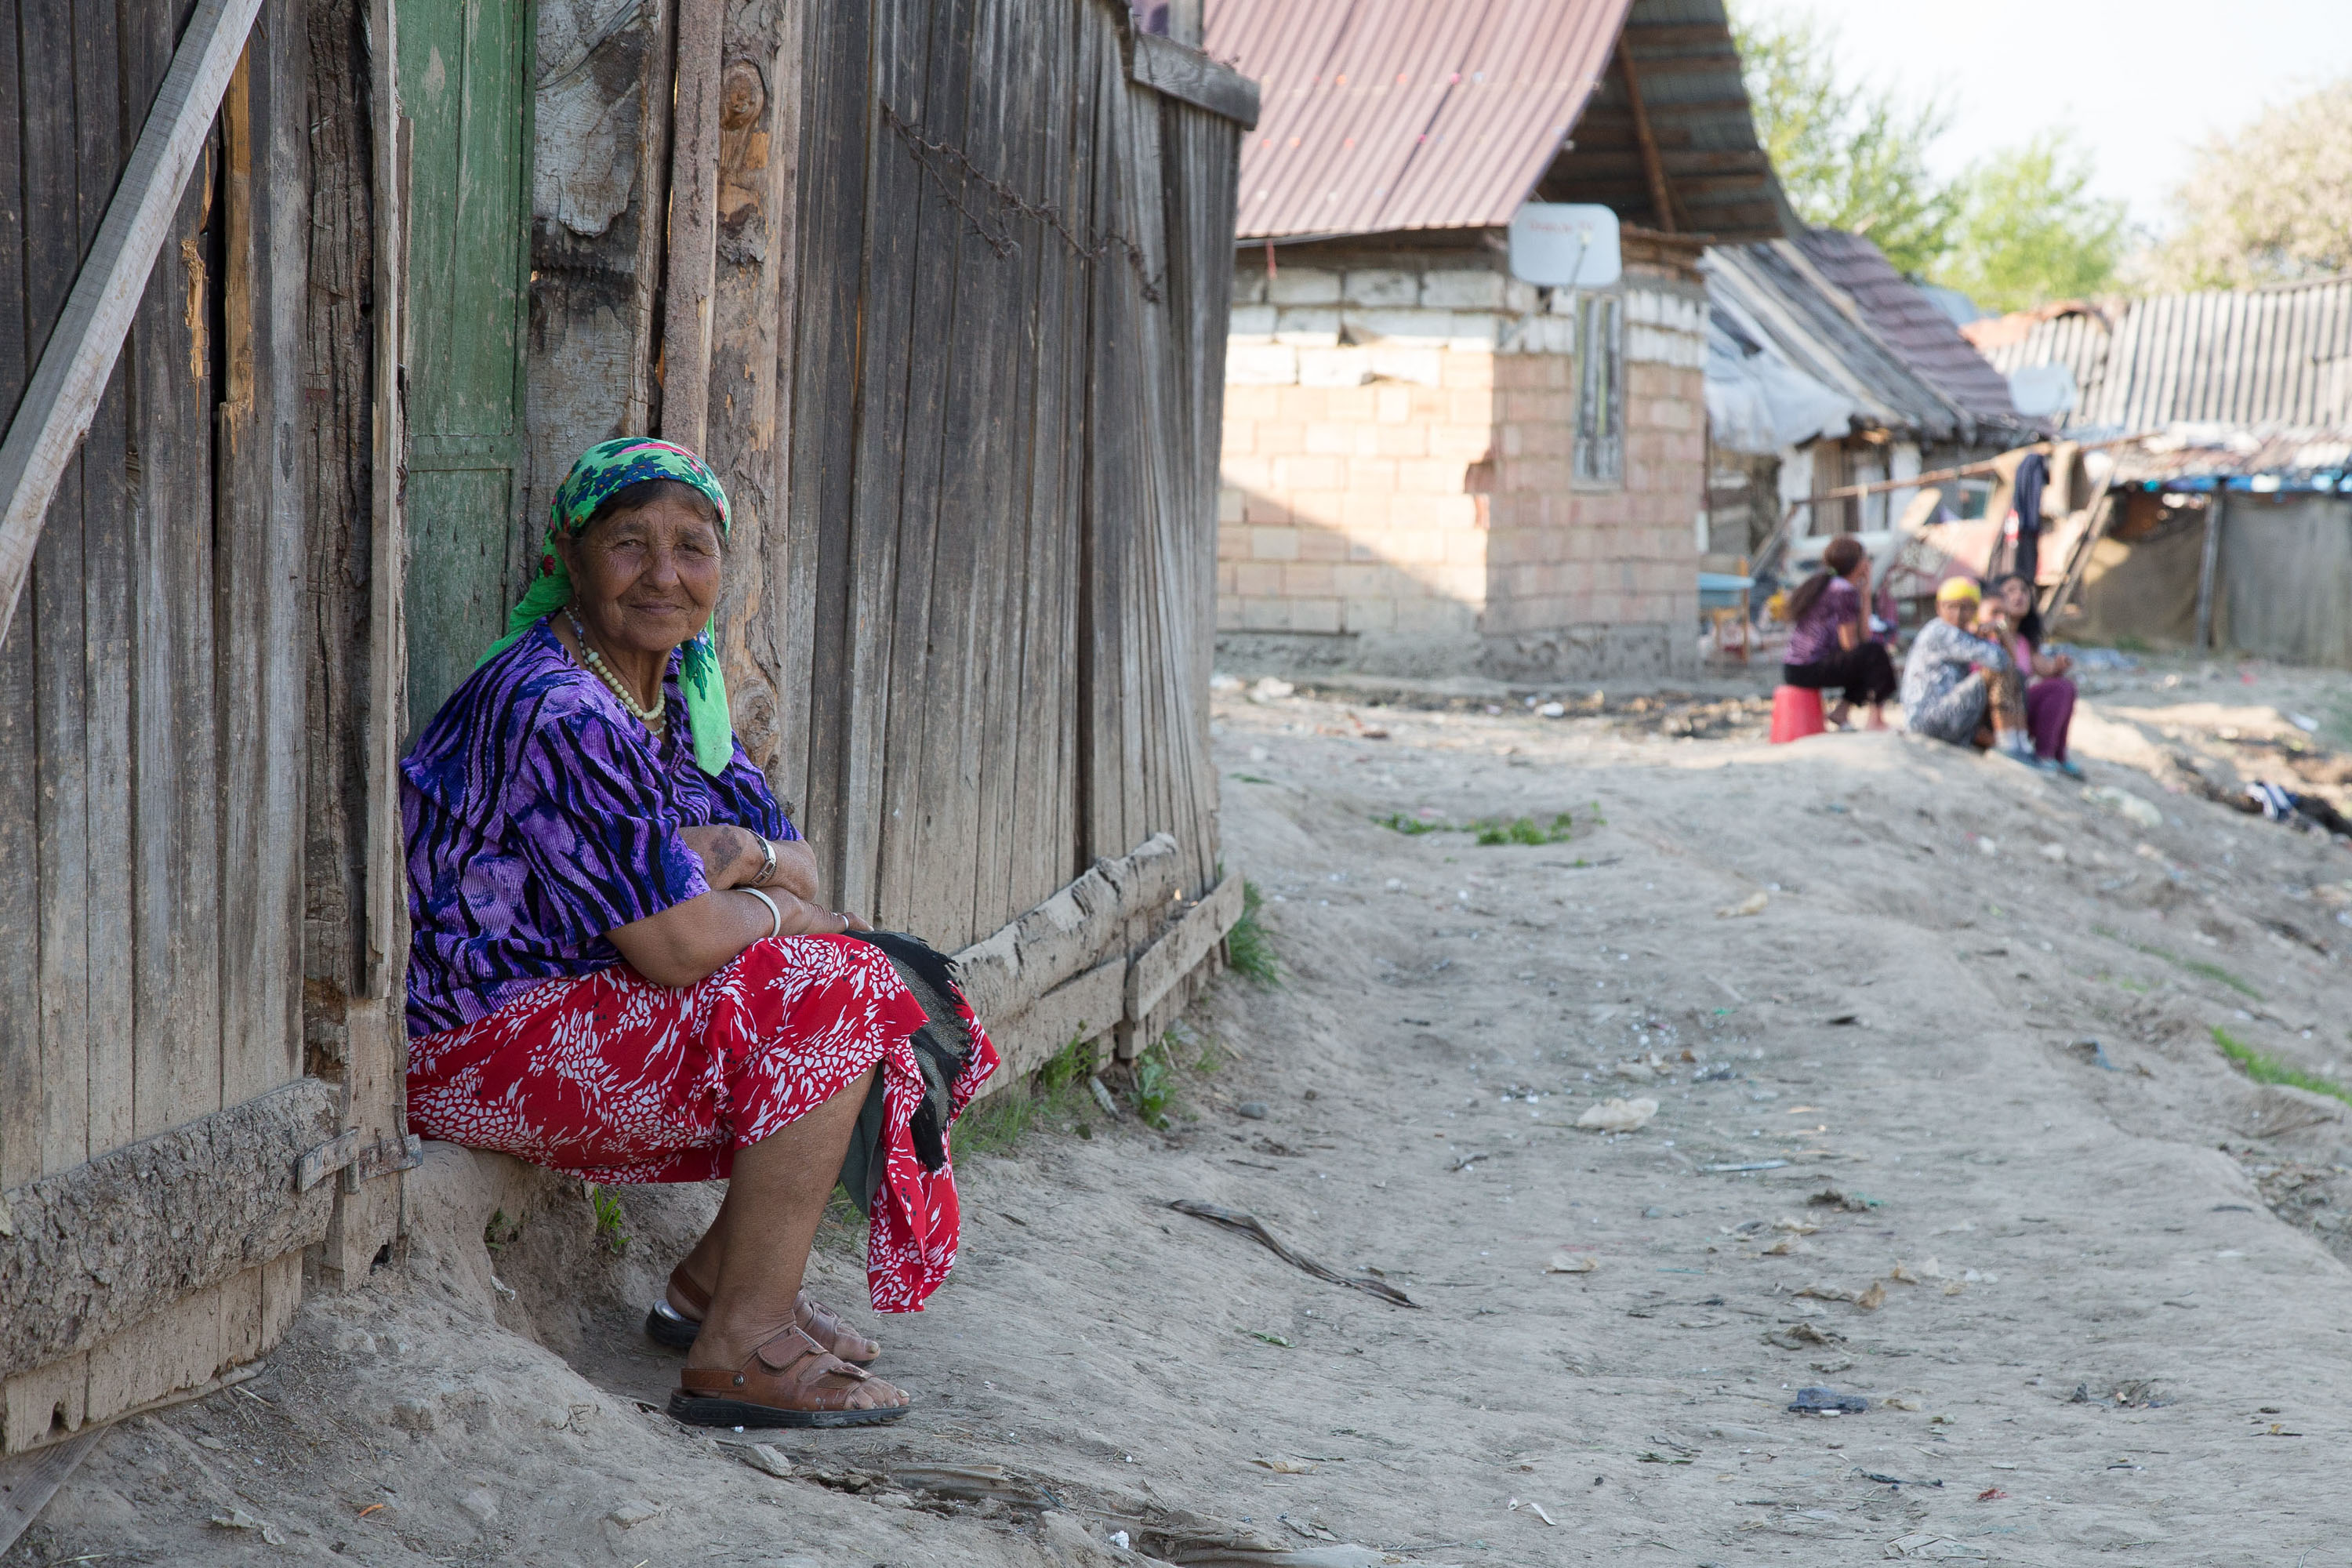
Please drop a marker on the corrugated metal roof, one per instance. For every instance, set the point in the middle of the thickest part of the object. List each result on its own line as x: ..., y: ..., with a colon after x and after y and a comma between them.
x: 2197, y: 457
x: 1402, y: 114
x: 1719, y: 180
x: 1779, y: 295
x: 2249, y: 358
x: 1911, y: 323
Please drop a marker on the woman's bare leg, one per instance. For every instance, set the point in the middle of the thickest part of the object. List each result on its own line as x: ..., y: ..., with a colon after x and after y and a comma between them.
x: 701, y: 1266
x: 765, y: 1228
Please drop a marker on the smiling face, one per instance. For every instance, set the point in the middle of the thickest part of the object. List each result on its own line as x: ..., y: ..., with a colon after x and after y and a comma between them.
x: 646, y: 579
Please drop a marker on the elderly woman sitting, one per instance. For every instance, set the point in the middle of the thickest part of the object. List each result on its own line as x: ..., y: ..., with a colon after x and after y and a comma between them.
x: 622, y: 967
x: 1957, y: 686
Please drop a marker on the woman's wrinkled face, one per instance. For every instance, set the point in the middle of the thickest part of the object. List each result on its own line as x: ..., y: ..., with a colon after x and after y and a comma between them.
x: 1957, y: 611
x: 646, y: 579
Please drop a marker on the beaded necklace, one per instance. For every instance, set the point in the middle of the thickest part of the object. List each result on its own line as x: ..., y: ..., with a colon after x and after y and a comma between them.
x: 650, y: 717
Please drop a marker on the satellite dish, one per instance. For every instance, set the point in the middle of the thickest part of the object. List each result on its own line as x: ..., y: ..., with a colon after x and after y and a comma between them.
x: 1559, y: 244
x: 2043, y: 391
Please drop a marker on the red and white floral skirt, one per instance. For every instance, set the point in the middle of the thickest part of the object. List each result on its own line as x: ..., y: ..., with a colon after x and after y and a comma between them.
x: 614, y: 1078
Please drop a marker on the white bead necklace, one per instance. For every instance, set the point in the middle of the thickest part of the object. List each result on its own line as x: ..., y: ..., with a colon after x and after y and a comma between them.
x: 650, y: 717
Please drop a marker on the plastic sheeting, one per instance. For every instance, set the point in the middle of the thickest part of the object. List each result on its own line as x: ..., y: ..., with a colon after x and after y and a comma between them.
x: 1757, y: 403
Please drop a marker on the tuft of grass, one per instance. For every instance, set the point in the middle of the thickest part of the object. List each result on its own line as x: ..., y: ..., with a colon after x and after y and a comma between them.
x: 1249, y: 946
x: 500, y: 1231
x: 608, y: 1220
x: 2212, y: 972
x: 1154, y: 1084
x: 1525, y: 830
x: 2264, y: 1068
x: 1413, y: 826
x: 1055, y: 1095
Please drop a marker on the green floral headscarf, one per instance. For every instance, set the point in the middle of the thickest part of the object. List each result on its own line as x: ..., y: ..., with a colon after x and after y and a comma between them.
x: 602, y: 471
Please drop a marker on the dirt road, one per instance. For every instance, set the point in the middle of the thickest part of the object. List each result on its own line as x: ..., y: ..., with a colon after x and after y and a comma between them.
x: 1942, y: 1123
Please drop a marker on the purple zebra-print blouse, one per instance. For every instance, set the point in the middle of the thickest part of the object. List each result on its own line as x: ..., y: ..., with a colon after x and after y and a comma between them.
x: 539, y: 815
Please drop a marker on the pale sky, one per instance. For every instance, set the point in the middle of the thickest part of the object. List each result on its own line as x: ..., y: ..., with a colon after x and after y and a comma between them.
x: 2143, y: 81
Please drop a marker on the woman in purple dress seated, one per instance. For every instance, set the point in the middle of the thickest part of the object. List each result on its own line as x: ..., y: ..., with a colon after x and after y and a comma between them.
x: 622, y: 967
x: 1830, y: 646
x: 2049, y: 694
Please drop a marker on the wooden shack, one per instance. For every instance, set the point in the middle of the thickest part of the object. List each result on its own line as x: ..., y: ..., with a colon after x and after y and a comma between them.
x: 318, y: 299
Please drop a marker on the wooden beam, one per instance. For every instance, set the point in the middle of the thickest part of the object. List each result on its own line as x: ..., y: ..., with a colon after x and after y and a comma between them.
x: 28, y: 1482
x: 1081, y: 1009
x: 1661, y: 198
x: 1677, y: 35
x: 1156, y: 970
x: 691, y: 274
x: 64, y: 392
x: 1003, y: 974
x: 1186, y: 74
x: 92, y: 1250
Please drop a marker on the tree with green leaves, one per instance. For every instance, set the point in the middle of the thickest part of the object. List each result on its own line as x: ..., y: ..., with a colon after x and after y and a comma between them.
x: 2030, y: 230
x: 1848, y: 156
x: 2015, y: 229
x: 2271, y: 204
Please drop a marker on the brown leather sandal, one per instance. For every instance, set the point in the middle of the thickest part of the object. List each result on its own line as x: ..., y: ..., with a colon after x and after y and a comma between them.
x: 791, y: 1380
x: 664, y: 1324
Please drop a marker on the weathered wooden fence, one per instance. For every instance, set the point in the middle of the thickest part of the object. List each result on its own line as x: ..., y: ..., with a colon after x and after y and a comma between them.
x: 183, y: 953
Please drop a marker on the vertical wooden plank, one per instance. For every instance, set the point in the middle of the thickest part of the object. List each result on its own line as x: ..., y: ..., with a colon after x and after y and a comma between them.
x: 901, y: 49
x: 463, y: 74
x: 47, y: 1401
x: 791, y: 567
x: 1003, y: 129
x: 52, y: 254
x: 1052, y: 782
x: 174, y: 800
x: 99, y: 113
x: 21, y: 1114
x: 258, y: 612
x: 1108, y: 568
x: 921, y: 855
x: 838, y: 155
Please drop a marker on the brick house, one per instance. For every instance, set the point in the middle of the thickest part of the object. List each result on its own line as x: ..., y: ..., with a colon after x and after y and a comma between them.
x: 1429, y: 466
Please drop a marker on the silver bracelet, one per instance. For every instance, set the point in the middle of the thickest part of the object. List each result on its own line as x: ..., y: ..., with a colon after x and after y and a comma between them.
x: 777, y: 915
x: 769, y: 869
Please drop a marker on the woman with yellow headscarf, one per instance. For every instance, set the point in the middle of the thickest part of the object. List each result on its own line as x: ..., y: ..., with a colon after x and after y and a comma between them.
x: 1957, y: 685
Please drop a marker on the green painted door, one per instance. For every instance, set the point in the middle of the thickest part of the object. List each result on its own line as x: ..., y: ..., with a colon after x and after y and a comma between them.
x: 466, y: 89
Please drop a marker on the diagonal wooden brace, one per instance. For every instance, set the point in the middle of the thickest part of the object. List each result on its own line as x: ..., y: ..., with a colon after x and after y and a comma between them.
x: 63, y: 394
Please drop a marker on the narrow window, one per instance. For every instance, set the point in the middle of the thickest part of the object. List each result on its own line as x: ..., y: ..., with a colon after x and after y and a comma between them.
x: 1600, y: 391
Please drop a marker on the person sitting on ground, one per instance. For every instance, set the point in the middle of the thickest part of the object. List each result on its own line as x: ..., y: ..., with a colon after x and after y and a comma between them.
x: 2049, y: 695
x: 622, y: 966
x: 1961, y: 688
x: 1829, y: 645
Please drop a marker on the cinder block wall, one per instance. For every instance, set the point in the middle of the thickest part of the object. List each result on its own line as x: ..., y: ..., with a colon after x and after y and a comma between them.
x: 1589, y: 581
x: 1398, y: 489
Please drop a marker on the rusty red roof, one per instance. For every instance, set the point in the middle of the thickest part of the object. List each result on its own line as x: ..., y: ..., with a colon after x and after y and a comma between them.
x: 1398, y: 114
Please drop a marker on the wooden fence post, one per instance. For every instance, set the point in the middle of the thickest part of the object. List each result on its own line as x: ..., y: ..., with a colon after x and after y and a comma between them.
x: 693, y: 264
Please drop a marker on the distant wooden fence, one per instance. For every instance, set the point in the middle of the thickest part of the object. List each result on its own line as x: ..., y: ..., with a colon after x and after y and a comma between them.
x: 968, y: 289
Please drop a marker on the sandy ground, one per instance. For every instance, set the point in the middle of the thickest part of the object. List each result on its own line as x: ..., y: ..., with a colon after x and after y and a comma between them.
x: 2087, y: 1274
